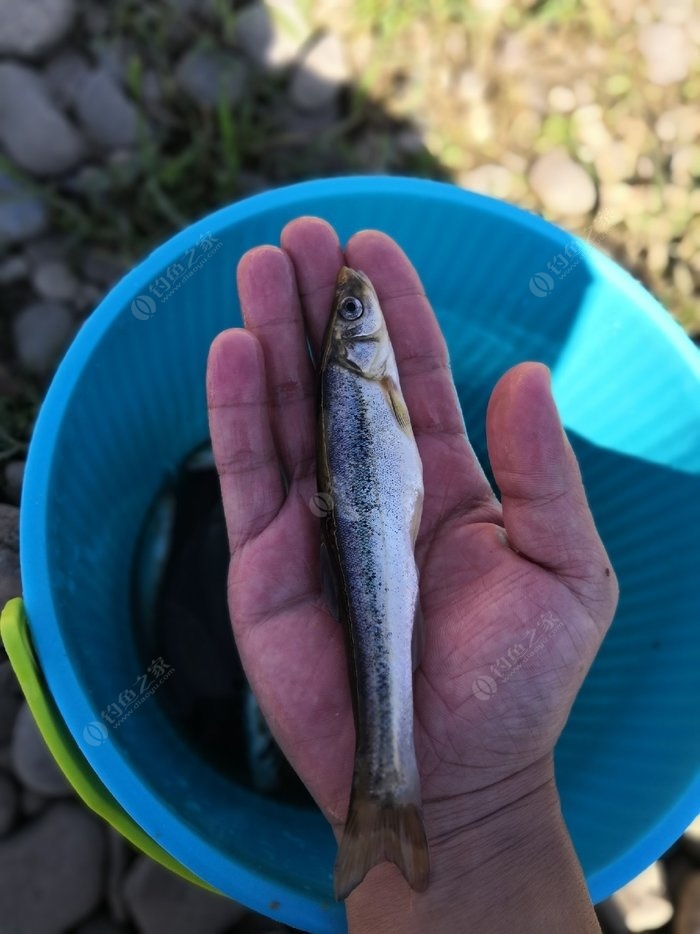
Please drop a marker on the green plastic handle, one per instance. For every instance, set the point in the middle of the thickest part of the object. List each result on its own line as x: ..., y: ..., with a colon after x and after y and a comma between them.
x: 14, y: 631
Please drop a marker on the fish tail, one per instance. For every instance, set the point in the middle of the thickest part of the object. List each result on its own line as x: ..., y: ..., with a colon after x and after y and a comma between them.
x: 377, y: 830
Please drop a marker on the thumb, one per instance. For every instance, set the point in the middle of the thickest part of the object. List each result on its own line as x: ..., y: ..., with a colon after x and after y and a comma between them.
x: 545, y: 510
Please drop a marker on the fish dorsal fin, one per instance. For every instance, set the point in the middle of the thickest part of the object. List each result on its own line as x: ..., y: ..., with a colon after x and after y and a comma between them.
x: 397, y: 404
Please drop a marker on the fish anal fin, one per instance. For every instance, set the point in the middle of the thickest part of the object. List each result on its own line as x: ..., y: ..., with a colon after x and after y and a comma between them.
x: 376, y: 831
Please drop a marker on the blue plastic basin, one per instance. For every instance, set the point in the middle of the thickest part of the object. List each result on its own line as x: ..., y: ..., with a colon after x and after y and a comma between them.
x: 128, y: 403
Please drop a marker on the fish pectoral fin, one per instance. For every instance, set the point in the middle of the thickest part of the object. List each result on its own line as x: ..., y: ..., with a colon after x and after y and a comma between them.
x: 376, y: 831
x: 417, y: 637
x: 329, y: 582
x: 397, y: 404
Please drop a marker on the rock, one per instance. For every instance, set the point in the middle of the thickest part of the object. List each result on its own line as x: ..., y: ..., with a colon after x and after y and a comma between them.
x: 490, y: 179
x: 102, y: 924
x: 118, y: 858
x: 42, y: 331
x: 33, y: 803
x: 88, y: 297
x: 10, y: 695
x: 64, y: 76
x: 32, y: 762
x: 13, y: 269
x: 688, y: 917
x: 616, y: 161
x: 54, y: 280
x: 666, y: 52
x: 206, y: 75
x: 50, y: 871
x: 9, y: 803
x: 105, y: 113
x: 164, y: 903
x: 14, y: 474
x: 101, y: 267
x: 691, y: 838
x: 36, y: 136
x: 10, y: 584
x: 22, y: 214
x: 562, y: 185
x: 271, y: 34
x: 320, y: 74
x: 562, y: 99
x: 28, y: 27
x: 644, y: 902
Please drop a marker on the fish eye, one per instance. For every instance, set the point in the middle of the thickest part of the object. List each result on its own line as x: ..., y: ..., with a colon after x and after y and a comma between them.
x: 351, y: 308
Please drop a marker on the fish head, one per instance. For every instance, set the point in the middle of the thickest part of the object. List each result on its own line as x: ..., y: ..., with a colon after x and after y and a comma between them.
x: 357, y: 335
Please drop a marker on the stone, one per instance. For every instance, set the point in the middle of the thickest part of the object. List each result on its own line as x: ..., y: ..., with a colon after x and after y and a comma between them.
x: 64, y: 76
x: 10, y: 584
x: 101, y: 267
x: 207, y: 75
x: 489, y: 179
x: 644, y: 902
x: 10, y: 697
x: 14, y: 474
x: 320, y: 74
x: 687, y: 919
x: 102, y: 924
x: 561, y: 184
x: 9, y: 803
x: 118, y: 858
x: 666, y: 52
x: 161, y: 902
x: 51, y: 871
x: 34, y: 133
x: 33, y: 803
x: 32, y: 762
x: 13, y: 269
x: 29, y: 27
x: 271, y: 34
x: 42, y: 331
x: 691, y: 838
x: 108, y: 117
x: 54, y: 280
x: 22, y: 214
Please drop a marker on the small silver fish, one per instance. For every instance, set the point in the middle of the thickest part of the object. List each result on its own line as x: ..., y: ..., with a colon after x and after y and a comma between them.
x: 371, y: 476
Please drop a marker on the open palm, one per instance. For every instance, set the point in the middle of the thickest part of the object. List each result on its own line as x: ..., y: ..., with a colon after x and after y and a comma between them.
x: 516, y: 595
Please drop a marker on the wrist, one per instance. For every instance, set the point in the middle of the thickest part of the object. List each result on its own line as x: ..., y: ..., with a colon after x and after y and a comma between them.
x: 512, y: 867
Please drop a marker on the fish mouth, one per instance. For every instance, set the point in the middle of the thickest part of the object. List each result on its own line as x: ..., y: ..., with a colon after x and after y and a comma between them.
x: 351, y: 280
x: 346, y: 277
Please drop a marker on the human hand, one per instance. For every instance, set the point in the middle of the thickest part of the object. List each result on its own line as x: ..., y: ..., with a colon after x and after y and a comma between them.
x: 491, y: 573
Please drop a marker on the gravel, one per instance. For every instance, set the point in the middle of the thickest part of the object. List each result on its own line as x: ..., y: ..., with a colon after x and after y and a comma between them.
x: 271, y: 34
x: 65, y: 75
x: 14, y: 474
x: 41, y: 332
x: 29, y: 27
x: 164, y: 903
x: 9, y: 803
x: 10, y: 699
x: 54, y: 280
x: 32, y: 762
x: 207, y: 75
x: 50, y: 871
x: 108, y: 117
x: 22, y: 214
x: 10, y: 584
x: 320, y: 75
x: 666, y: 52
x: 562, y: 185
x: 35, y: 134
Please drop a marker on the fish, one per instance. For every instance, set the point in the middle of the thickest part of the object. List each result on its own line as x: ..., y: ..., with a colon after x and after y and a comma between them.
x: 370, y: 476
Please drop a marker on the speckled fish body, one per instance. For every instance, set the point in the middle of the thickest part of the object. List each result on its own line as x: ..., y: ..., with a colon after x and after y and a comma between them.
x: 370, y: 471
